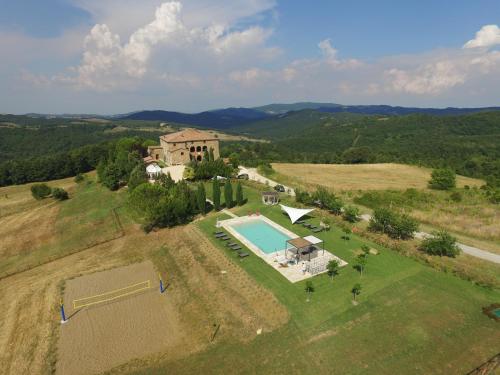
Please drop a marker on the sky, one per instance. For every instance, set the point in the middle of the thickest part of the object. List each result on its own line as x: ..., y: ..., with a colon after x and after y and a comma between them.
x: 118, y: 56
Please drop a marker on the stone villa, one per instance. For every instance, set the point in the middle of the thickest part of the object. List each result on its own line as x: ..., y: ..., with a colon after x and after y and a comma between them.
x: 181, y: 147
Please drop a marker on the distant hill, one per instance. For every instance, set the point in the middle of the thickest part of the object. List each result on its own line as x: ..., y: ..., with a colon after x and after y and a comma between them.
x: 229, y: 118
x: 387, y: 110
x: 217, y: 119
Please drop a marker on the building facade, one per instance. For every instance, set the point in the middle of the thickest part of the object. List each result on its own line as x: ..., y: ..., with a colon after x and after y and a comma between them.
x: 186, y: 145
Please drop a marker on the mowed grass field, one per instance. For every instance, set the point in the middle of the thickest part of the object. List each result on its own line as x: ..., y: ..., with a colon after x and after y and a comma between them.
x: 411, y: 319
x: 362, y: 176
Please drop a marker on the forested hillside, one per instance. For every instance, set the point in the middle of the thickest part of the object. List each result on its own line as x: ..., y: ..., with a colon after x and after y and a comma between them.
x: 23, y: 137
x: 469, y: 143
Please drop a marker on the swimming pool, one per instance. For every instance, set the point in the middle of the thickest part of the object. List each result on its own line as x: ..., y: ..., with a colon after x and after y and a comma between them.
x: 262, y: 235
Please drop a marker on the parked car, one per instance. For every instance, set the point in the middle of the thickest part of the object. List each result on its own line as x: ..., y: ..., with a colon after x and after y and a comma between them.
x: 243, y: 176
x: 279, y: 188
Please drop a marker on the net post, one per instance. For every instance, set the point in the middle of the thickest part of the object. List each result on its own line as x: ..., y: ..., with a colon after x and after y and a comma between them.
x: 63, y: 315
x: 161, y: 284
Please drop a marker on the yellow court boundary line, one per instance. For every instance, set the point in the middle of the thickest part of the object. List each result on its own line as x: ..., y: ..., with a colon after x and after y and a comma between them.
x: 75, y: 302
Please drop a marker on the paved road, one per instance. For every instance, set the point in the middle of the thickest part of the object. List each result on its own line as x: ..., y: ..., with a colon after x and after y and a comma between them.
x: 256, y: 176
x: 469, y: 250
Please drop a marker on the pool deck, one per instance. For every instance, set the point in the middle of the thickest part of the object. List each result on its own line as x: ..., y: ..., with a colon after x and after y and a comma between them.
x: 292, y: 272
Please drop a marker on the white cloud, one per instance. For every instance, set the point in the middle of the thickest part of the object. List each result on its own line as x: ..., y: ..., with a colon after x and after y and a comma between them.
x: 488, y: 36
x: 108, y: 64
x: 328, y: 51
x: 428, y: 79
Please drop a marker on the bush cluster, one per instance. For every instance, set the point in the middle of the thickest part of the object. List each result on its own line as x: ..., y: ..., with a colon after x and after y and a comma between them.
x: 440, y: 243
x: 40, y: 191
x: 321, y: 198
x: 442, y: 179
x: 395, y: 225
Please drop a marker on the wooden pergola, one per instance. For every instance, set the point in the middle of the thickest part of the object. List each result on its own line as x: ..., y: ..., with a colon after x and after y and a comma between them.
x: 303, y: 246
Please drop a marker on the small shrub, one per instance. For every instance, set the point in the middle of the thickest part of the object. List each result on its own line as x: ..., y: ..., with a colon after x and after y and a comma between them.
x: 40, y: 191
x: 60, y: 194
x: 79, y: 178
x: 442, y: 179
x: 456, y: 196
x: 351, y: 214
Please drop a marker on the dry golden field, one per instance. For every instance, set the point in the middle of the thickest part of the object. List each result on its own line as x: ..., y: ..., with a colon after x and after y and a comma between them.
x: 199, y: 294
x: 362, y: 176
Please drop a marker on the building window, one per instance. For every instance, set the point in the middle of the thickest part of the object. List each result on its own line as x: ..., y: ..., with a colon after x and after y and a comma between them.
x: 198, y: 148
x: 198, y: 158
x: 175, y: 144
x: 192, y: 149
x: 204, y: 141
x: 204, y: 148
x: 182, y: 153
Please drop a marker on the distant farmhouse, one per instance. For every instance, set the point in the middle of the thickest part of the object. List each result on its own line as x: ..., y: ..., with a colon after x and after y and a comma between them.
x: 181, y: 147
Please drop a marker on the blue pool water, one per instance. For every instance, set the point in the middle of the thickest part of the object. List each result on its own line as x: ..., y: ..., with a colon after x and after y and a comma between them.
x: 263, y: 235
x: 497, y: 313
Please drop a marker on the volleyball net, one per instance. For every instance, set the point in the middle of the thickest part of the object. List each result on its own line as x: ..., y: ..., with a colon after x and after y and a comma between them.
x: 111, y: 295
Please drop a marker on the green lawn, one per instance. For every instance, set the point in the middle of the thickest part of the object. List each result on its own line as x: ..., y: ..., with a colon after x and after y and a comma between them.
x: 411, y: 319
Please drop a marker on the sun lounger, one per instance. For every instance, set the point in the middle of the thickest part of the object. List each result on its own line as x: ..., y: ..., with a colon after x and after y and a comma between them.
x: 242, y: 254
x: 220, y: 235
x: 307, y: 225
x: 219, y: 232
x: 300, y: 221
x: 225, y: 238
x: 317, y: 230
x: 231, y: 244
x: 237, y: 247
x: 313, y: 227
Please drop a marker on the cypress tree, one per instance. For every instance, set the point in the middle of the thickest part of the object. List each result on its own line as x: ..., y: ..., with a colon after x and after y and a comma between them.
x: 228, y: 194
x: 239, y: 195
x: 216, y: 194
x: 201, y: 197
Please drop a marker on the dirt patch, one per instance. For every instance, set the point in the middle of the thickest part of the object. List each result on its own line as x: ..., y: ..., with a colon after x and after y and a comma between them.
x: 99, y: 337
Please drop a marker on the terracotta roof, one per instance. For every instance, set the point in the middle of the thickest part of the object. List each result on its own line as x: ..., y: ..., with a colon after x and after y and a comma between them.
x: 188, y: 135
x: 148, y: 159
x: 299, y: 243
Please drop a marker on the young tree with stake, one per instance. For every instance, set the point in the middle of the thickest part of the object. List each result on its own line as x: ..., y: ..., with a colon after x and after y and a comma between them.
x: 356, y: 290
x: 309, y: 289
x: 361, y: 263
x: 333, y: 268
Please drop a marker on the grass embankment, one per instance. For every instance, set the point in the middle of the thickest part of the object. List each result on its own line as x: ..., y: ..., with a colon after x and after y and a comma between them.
x: 410, y: 318
x: 41, y: 231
